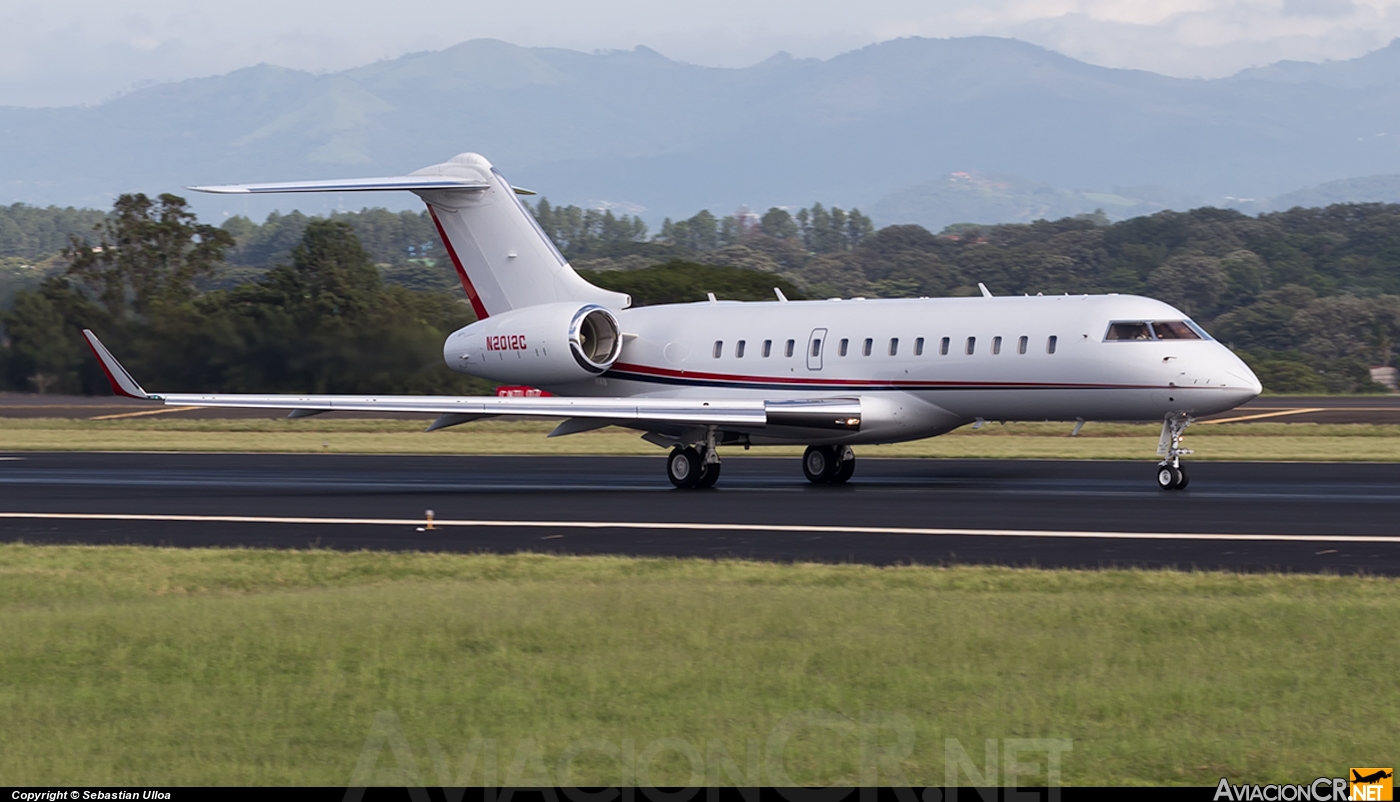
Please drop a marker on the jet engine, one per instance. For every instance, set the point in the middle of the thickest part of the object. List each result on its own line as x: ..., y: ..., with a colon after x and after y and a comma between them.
x: 548, y: 344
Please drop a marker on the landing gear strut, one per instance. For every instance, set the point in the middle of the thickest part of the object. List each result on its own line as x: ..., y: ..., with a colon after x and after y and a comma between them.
x: 696, y: 466
x: 1170, y: 474
x: 828, y: 465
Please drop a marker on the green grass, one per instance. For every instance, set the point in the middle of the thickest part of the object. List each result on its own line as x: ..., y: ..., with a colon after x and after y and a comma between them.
x: 1252, y: 441
x: 139, y: 666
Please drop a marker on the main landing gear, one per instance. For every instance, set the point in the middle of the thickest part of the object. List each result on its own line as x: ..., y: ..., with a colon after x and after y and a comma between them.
x: 693, y: 467
x: 828, y: 465
x: 1170, y: 474
x: 696, y: 466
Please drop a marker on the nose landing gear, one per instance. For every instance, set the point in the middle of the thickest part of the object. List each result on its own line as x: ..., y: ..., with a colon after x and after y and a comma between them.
x: 828, y: 465
x: 1170, y: 474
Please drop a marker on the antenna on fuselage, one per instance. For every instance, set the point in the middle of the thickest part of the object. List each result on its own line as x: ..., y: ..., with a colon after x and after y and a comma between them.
x: 780, y: 295
x: 986, y: 293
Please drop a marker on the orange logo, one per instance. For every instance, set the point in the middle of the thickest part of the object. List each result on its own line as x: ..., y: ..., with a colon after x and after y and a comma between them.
x: 1372, y: 785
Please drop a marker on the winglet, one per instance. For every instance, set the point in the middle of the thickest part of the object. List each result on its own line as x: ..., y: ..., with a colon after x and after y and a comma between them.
x: 122, y: 383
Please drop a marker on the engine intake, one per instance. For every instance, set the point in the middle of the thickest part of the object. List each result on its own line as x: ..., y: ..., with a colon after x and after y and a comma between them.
x: 594, y: 338
x: 548, y: 344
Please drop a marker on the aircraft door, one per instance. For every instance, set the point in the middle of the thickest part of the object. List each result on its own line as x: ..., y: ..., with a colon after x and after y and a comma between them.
x: 815, y: 345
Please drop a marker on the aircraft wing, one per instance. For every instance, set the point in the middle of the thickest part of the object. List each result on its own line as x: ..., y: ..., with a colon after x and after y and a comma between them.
x: 823, y: 413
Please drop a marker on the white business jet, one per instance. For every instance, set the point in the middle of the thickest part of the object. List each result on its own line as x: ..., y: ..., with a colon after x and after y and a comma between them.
x: 826, y: 374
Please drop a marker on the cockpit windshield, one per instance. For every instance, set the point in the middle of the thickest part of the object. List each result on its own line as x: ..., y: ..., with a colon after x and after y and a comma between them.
x: 1155, y: 330
x: 1129, y: 331
x: 1174, y: 330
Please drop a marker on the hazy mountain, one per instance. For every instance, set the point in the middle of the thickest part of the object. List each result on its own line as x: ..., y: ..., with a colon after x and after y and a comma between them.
x: 1371, y: 189
x: 964, y: 197
x: 637, y: 129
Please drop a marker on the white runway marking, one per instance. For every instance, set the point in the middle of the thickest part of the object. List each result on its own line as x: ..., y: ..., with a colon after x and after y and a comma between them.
x: 701, y: 527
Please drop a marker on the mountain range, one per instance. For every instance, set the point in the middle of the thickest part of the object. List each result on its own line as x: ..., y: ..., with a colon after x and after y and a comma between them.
x: 884, y: 128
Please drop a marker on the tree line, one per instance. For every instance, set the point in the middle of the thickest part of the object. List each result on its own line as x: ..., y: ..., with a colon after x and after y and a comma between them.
x: 1310, y: 297
x: 323, y: 321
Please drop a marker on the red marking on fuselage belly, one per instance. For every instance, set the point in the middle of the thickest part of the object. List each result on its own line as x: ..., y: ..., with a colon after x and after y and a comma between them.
x: 814, y: 382
x: 477, y: 305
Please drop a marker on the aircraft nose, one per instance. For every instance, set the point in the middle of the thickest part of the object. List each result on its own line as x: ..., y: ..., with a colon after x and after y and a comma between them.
x: 1242, y: 377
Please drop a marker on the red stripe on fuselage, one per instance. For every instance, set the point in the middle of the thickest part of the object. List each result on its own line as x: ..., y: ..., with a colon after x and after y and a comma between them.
x: 477, y: 305
x: 648, y: 370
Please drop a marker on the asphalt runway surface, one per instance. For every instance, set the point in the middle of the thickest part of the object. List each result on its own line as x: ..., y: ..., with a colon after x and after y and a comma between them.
x: 1322, y: 409
x: 1295, y: 517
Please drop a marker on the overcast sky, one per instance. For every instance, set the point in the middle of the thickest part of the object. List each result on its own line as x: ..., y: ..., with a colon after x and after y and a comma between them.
x: 59, y: 52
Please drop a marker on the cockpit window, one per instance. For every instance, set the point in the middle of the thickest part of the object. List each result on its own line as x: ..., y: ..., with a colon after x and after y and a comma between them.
x: 1174, y: 330
x: 1129, y: 331
x: 1155, y: 330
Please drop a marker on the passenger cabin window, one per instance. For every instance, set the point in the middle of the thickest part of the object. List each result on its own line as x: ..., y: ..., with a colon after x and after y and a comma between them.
x: 943, y: 347
x: 1050, y: 344
x: 971, y: 345
x: 996, y: 346
x: 894, y: 346
x: 919, y: 347
x: 1143, y: 330
x: 719, y: 348
x: 739, y: 349
x: 1021, y: 346
x: 767, y: 348
x: 845, y: 345
x: 869, y: 345
x: 817, y: 346
x: 790, y: 344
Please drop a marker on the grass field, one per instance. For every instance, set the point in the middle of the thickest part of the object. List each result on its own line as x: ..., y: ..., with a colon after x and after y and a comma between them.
x: 137, y: 666
x: 1253, y: 441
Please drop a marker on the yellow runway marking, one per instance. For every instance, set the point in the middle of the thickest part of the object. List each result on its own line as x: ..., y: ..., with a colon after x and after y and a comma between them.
x: 160, y: 411
x: 1263, y: 415
x: 700, y: 527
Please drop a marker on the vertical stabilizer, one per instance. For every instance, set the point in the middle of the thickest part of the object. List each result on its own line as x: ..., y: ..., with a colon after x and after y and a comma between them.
x: 501, y: 254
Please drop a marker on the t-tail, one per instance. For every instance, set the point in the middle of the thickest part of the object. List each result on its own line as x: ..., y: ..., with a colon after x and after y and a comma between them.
x: 502, y: 256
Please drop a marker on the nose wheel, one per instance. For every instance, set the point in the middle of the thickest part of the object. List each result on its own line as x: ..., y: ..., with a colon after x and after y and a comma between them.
x: 1172, y: 477
x: 1170, y: 474
x: 828, y: 465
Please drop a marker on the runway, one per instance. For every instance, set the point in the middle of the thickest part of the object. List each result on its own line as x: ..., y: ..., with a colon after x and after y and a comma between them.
x: 1235, y: 516
x: 1376, y: 409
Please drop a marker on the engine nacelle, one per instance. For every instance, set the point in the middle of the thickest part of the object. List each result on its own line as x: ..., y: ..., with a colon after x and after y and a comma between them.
x: 537, y: 345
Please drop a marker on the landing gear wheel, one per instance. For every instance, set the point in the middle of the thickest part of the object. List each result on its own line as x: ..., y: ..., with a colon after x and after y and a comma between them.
x: 1184, y: 480
x: 847, y: 468
x: 820, y: 464
x: 684, y: 467
x: 709, y: 474
x: 1170, y: 477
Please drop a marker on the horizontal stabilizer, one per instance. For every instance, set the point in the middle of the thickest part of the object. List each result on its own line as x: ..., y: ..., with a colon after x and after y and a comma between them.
x: 385, y: 184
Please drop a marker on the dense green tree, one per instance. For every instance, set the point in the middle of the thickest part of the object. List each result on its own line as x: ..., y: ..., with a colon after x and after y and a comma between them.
x: 578, y: 232
x: 32, y: 233
x: 680, y: 281
x: 778, y: 224
x: 148, y: 253
x: 1192, y: 283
